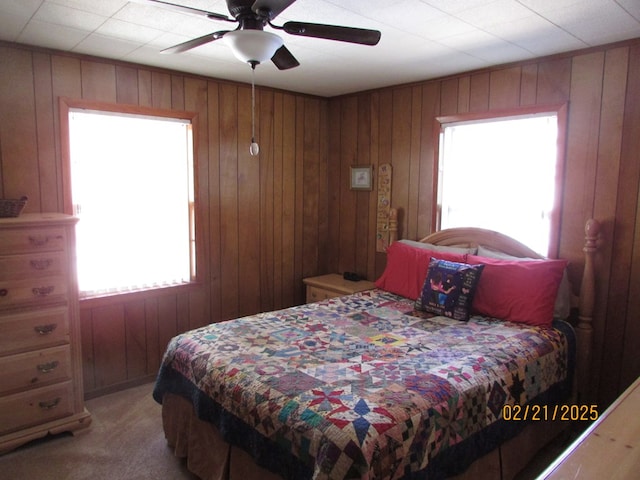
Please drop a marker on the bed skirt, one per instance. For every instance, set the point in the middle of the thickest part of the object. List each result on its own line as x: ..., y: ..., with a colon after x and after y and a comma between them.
x: 209, y: 457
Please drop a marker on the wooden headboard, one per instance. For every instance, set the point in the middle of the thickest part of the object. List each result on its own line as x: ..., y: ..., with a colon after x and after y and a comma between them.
x: 473, y: 237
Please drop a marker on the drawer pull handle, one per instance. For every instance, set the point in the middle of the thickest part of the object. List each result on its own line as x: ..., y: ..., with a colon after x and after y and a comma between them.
x: 4, y: 292
x: 42, y: 264
x: 42, y: 240
x: 48, y: 367
x: 48, y: 405
x: 45, y: 329
x: 43, y: 291
x: 38, y: 241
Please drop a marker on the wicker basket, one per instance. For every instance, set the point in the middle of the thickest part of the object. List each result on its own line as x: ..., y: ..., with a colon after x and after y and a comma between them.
x: 12, y: 208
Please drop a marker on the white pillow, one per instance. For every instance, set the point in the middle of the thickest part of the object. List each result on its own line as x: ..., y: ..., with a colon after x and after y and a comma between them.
x: 440, y: 248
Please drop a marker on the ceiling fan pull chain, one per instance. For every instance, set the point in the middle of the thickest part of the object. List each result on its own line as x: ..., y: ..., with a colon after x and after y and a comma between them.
x: 254, y: 148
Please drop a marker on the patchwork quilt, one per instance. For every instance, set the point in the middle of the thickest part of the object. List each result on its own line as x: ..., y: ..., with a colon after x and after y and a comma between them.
x: 364, y: 387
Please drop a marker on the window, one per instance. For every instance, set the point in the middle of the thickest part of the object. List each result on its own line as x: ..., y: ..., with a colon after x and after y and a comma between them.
x: 132, y: 188
x: 502, y: 174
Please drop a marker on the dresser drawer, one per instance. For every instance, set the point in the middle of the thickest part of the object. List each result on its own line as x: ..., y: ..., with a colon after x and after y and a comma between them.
x: 315, y: 294
x: 32, y: 330
x: 37, y: 406
x: 32, y: 240
x: 34, y: 369
x: 32, y: 290
x: 32, y: 266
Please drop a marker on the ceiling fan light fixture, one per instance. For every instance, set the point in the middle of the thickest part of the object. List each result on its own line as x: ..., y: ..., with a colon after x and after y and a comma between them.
x: 253, y: 46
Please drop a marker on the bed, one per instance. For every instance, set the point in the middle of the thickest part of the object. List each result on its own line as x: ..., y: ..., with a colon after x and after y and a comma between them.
x: 417, y: 378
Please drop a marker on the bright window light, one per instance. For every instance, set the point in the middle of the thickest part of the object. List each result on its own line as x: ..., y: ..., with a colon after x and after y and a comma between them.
x: 132, y: 189
x: 500, y: 174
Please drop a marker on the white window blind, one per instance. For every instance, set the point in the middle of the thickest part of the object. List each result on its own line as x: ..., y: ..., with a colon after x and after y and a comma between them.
x: 500, y: 174
x: 132, y: 188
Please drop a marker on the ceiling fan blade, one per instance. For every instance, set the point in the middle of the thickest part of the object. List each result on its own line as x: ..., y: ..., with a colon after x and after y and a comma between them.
x: 284, y: 59
x: 274, y: 7
x: 333, y: 32
x: 196, y: 42
x: 184, y: 9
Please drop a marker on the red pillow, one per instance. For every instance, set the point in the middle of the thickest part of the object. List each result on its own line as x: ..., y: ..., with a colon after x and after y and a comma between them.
x: 407, y: 268
x: 518, y: 291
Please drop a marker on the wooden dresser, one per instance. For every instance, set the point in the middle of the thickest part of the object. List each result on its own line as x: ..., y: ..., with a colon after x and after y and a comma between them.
x: 40, y: 361
x: 333, y: 285
x: 609, y: 448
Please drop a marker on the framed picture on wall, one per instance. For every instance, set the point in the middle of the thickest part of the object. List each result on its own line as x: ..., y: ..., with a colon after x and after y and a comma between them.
x: 361, y: 178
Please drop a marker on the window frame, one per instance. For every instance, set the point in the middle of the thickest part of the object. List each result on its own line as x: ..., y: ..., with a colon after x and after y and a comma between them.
x: 66, y: 105
x: 561, y: 112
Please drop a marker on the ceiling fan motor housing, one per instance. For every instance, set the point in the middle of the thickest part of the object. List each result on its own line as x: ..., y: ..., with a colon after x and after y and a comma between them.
x: 240, y: 8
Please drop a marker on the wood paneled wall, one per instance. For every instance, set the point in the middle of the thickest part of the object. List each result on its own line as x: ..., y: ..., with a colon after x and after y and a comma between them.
x: 602, y: 175
x: 266, y: 223
x: 262, y: 222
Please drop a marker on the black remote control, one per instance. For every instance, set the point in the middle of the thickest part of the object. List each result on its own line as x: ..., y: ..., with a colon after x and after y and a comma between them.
x: 351, y: 276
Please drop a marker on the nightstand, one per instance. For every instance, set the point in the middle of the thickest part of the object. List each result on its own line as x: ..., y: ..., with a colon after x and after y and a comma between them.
x: 333, y: 285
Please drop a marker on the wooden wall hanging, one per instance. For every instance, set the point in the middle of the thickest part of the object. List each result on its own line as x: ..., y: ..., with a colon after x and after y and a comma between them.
x: 384, y: 207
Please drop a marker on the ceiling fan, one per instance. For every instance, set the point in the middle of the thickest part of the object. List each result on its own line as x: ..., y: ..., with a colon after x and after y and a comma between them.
x: 250, y: 43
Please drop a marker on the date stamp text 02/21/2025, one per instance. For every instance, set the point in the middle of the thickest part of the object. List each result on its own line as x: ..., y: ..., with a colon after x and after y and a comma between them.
x: 515, y: 413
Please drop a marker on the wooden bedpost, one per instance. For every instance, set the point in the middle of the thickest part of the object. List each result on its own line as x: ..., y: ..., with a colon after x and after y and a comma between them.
x: 584, y: 329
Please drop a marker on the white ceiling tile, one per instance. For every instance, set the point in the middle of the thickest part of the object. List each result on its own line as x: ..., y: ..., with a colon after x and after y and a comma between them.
x: 455, y: 6
x: 11, y: 26
x: 104, y: 8
x: 407, y: 50
x: 214, y: 6
x: 546, y: 5
x: 594, y: 21
x: 446, y: 27
x: 537, y: 35
x: 399, y: 13
x: 599, y: 36
x: 123, y: 30
x: 486, y: 47
x: 51, y: 35
x: 631, y: 6
x: 463, y: 42
x: 20, y: 8
x: 104, y: 46
x: 563, y: 14
x: 317, y: 11
x: 434, y: 66
x: 367, y: 9
x: 497, y: 53
x: 69, y: 17
x: 151, y: 16
x: 499, y: 11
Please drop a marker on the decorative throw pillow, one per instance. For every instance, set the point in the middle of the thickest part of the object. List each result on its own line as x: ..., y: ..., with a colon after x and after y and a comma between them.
x: 449, y: 288
x: 518, y: 291
x: 407, y: 267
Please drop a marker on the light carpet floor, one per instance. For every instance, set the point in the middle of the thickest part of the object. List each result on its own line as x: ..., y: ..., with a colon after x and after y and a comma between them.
x: 124, y: 442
